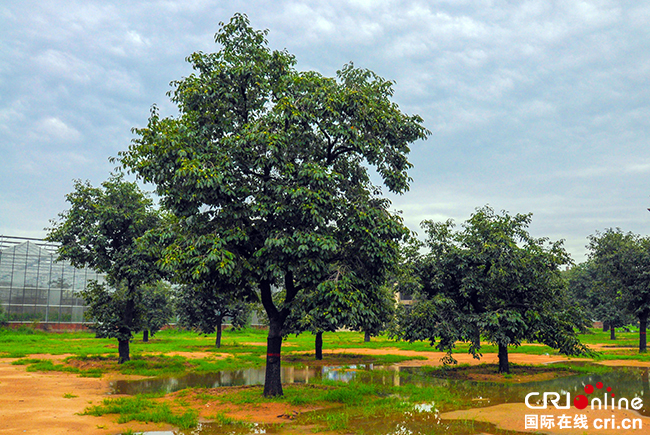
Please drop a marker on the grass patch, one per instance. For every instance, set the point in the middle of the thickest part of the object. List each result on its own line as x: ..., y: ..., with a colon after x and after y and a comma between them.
x: 583, y: 368
x: 145, y: 409
x: 25, y: 361
x: 155, y: 366
x: 39, y: 365
x: 223, y: 420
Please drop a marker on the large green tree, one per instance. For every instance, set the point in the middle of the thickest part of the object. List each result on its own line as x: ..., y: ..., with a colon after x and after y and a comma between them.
x: 267, y: 170
x: 491, y: 279
x: 101, y: 231
x: 623, y: 264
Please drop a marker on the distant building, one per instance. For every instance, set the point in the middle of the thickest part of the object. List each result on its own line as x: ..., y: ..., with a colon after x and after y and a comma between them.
x: 36, y: 287
x: 405, y: 298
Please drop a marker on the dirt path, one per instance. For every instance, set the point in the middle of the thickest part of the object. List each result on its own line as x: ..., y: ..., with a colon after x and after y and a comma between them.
x: 34, y: 403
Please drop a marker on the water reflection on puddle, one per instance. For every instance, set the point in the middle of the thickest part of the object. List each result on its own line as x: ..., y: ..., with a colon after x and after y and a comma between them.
x: 627, y: 382
x: 230, y: 378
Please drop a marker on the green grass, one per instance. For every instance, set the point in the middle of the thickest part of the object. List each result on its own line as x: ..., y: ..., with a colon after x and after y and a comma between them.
x: 586, y: 369
x: 224, y: 420
x: 145, y: 409
x: 245, y: 348
x: 39, y: 365
x: 160, y: 365
x: 248, y: 343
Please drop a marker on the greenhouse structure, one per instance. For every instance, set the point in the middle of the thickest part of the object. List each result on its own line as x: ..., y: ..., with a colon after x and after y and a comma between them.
x: 34, y: 287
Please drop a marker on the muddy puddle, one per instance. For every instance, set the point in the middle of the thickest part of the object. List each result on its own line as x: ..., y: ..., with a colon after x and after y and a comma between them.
x: 233, y: 378
x: 424, y: 419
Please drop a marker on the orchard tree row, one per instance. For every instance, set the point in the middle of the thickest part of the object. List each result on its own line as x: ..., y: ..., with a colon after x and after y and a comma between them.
x: 104, y: 229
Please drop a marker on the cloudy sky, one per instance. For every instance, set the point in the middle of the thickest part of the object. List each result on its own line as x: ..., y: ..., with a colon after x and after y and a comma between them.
x: 534, y: 106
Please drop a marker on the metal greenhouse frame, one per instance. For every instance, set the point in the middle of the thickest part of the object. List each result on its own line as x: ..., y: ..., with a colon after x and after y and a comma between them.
x: 34, y: 287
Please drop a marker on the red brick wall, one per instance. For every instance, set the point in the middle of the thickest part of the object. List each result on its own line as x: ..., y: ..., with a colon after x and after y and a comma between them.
x: 53, y: 327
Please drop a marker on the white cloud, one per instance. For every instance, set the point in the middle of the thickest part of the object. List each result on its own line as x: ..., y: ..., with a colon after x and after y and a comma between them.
x: 55, y: 63
x: 643, y: 168
x: 54, y: 129
x: 534, y: 105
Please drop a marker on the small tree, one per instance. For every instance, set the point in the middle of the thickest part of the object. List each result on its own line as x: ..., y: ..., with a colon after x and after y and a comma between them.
x: 380, y: 312
x: 100, y: 231
x: 204, y: 308
x: 492, y: 279
x: 156, y: 308
x: 339, y: 302
x: 623, y: 264
x: 596, y: 299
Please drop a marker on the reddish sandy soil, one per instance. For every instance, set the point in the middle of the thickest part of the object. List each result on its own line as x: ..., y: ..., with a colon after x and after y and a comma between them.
x: 34, y: 403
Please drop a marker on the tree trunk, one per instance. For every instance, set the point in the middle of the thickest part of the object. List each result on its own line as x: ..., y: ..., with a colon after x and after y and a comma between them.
x: 217, y: 342
x: 504, y: 367
x: 605, y: 326
x: 643, y: 325
x: 366, y: 337
x: 126, y: 329
x: 123, y: 349
x: 273, y: 380
x: 319, y: 345
x: 612, y: 333
x: 145, y: 335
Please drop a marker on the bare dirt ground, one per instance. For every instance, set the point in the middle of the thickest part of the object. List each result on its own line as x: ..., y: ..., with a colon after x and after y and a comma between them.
x: 36, y: 403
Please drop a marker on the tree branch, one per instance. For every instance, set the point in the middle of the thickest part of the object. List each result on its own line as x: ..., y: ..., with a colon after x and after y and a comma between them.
x: 267, y: 299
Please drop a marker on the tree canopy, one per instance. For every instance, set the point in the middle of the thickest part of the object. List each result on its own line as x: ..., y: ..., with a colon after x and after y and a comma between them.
x: 100, y: 230
x: 267, y: 170
x: 623, y: 264
x: 491, y: 279
x: 591, y: 290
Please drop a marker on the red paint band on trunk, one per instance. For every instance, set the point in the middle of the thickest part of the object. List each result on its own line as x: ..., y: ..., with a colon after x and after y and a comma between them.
x: 277, y: 355
x: 642, y: 332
